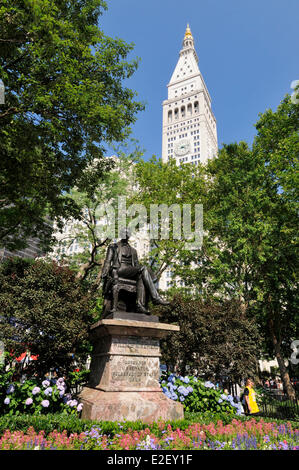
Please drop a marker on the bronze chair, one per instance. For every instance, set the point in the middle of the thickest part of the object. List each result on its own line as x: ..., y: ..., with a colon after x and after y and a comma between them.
x: 119, y: 295
x: 127, y: 285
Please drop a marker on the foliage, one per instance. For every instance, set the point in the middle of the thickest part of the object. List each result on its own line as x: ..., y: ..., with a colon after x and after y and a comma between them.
x: 44, y: 309
x: 95, y: 225
x: 166, y: 184
x: 71, y: 423
x: 34, y: 397
x: 64, y: 100
x: 77, y: 377
x: 199, y: 396
x: 250, y: 222
x: 257, y: 224
x: 214, y: 338
x: 250, y: 219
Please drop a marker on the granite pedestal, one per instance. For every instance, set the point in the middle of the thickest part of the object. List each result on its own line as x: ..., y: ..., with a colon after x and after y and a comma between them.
x: 124, y: 372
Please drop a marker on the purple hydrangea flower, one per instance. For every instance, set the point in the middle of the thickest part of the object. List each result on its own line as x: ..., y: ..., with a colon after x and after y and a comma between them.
x: 35, y: 390
x: 67, y: 398
x: 7, y: 401
x: 79, y: 407
x: 46, y: 383
x: 48, y: 391
x: 170, y: 386
x: 29, y: 401
x: 45, y: 403
x: 209, y: 384
x: 10, y: 389
x: 72, y: 403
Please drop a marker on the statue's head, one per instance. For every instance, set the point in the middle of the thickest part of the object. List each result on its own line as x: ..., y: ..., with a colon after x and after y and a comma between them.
x: 125, y: 233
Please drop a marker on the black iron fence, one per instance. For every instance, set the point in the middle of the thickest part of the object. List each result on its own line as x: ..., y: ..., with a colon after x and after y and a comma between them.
x: 280, y: 406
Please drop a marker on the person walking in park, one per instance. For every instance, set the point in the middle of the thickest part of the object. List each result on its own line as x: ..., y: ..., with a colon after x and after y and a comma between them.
x: 251, y: 407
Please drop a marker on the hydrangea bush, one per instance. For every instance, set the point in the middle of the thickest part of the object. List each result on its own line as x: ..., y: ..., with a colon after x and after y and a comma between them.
x: 33, y: 397
x: 199, y: 396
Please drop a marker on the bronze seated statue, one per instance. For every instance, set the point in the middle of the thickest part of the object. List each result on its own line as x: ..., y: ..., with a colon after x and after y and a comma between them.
x: 126, y: 284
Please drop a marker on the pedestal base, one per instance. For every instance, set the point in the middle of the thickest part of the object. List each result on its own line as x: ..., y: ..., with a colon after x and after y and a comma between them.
x: 130, y: 406
x: 124, y: 373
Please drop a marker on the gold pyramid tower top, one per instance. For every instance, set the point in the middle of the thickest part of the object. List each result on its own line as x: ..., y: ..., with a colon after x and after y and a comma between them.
x: 188, y: 32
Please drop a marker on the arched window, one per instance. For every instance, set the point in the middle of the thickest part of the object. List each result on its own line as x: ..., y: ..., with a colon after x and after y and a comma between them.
x: 189, y: 109
x: 196, y: 107
x: 176, y: 113
x: 169, y: 116
x: 183, y: 111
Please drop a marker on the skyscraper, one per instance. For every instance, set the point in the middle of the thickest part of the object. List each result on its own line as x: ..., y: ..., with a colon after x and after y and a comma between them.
x: 189, y: 131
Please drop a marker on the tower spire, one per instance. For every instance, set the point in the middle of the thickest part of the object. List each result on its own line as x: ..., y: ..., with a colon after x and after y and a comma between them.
x: 188, y: 31
x: 188, y: 38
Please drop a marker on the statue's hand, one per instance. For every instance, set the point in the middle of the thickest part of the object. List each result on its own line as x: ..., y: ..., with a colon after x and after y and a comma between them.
x: 114, y: 275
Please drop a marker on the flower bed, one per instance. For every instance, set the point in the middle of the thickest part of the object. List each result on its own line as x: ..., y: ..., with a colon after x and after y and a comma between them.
x: 238, y: 435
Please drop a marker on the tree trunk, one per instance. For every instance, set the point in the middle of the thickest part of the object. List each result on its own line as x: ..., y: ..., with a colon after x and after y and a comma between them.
x: 283, y: 370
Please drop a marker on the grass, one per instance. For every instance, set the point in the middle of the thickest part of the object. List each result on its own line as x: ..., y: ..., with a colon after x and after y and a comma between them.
x: 73, y: 424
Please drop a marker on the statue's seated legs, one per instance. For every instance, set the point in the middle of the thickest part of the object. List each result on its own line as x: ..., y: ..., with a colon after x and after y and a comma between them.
x: 150, y: 286
x: 144, y: 283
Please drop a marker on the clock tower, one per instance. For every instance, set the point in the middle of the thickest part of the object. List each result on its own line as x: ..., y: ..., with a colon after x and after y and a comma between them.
x: 189, y: 132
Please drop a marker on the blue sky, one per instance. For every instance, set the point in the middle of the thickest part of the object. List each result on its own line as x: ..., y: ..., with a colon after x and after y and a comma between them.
x: 248, y: 54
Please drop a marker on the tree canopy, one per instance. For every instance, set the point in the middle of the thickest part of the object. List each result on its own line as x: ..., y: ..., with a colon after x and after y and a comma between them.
x: 215, y: 339
x: 43, y: 310
x: 251, y: 222
x: 64, y: 99
x: 250, y: 226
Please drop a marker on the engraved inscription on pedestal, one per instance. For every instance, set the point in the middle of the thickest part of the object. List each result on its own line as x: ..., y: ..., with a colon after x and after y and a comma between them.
x: 126, y: 363
x: 132, y: 345
x: 134, y: 373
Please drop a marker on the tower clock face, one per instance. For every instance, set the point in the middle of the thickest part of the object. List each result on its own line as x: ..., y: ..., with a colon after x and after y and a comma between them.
x: 182, y: 147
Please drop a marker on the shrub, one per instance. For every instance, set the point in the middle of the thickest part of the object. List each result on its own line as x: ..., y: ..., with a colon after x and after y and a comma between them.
x: 44, y: 309
x: 35, y: 397
x: 196, y: 395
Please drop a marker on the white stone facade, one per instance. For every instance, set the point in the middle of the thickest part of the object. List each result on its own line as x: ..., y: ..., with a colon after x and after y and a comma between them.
x: 189, y: 130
